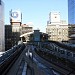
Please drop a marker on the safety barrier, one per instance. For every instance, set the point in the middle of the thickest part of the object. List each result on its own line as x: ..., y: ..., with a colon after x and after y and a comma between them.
x: 9, y: 57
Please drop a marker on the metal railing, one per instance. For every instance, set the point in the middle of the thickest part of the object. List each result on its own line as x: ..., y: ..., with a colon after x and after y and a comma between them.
x: 9, y: 57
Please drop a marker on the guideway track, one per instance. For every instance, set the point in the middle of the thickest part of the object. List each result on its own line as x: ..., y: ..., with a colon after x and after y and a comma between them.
x: 6, y: 64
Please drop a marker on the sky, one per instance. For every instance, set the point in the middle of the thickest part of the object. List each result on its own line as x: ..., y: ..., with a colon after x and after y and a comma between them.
x: 36, y: 12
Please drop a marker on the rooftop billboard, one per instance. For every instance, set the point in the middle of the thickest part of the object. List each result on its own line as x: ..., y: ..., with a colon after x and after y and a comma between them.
x: 15, y: 16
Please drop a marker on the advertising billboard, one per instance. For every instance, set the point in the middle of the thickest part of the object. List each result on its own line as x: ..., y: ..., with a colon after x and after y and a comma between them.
x: 15, y: 16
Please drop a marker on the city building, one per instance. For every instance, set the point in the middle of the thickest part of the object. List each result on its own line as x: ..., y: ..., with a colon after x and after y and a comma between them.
x: 26, y: 28
x: 15, y: 22
x: 71, y: 20
x: 71, y: 11
x: 2, y: 32
x: 57, y: 29
x: 15, y: 29
x: 34, y: 36
x: 8, y: 37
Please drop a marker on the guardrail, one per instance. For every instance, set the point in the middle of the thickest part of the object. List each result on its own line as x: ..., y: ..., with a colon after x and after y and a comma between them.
x: 9, y: 57
x: 59, y: 51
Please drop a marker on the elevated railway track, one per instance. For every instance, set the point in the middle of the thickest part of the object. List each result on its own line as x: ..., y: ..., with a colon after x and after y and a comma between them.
x: 56, y: 64
x: 8, y: 58
x: 41, y: 62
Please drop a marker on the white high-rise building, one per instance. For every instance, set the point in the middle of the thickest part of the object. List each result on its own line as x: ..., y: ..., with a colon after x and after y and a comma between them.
x: 57, y: 29
x: 2, y: 30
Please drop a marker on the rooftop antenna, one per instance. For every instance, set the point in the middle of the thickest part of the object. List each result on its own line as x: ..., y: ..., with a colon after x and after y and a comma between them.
x: 21, y: 18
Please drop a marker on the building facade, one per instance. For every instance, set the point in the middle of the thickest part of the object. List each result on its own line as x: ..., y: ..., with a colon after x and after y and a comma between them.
x: 57, y: 29
x: 2, y: 33
x: 15, y: 29
x: 12, y: 36
x: 26, y: 28
x: 8, y: 37
x: 71, y: 20
x: 35, y: 36
x: 15, y: 21
x: 71, y: 11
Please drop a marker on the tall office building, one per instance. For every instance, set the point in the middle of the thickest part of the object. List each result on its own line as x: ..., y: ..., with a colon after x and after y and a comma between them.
x: 71, y: 20
x: 2, y: 33
x: 71, y: 11
x: 16, y: 29
x: 15, y: 20
x: 57, y: 29
x: 8, y: 37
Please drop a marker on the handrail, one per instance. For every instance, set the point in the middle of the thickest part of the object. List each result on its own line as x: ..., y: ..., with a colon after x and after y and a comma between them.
x: 9, y: 57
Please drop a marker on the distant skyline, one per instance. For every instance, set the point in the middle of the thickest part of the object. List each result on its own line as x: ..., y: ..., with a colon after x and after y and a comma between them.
x: 36, y: 11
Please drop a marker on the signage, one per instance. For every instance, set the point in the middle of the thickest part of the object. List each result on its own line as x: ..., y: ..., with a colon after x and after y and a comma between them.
x: 15, y: 16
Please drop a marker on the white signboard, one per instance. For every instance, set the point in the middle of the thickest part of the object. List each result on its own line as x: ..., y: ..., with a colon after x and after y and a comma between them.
x: 55, y: 17
x: 15, y: 16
